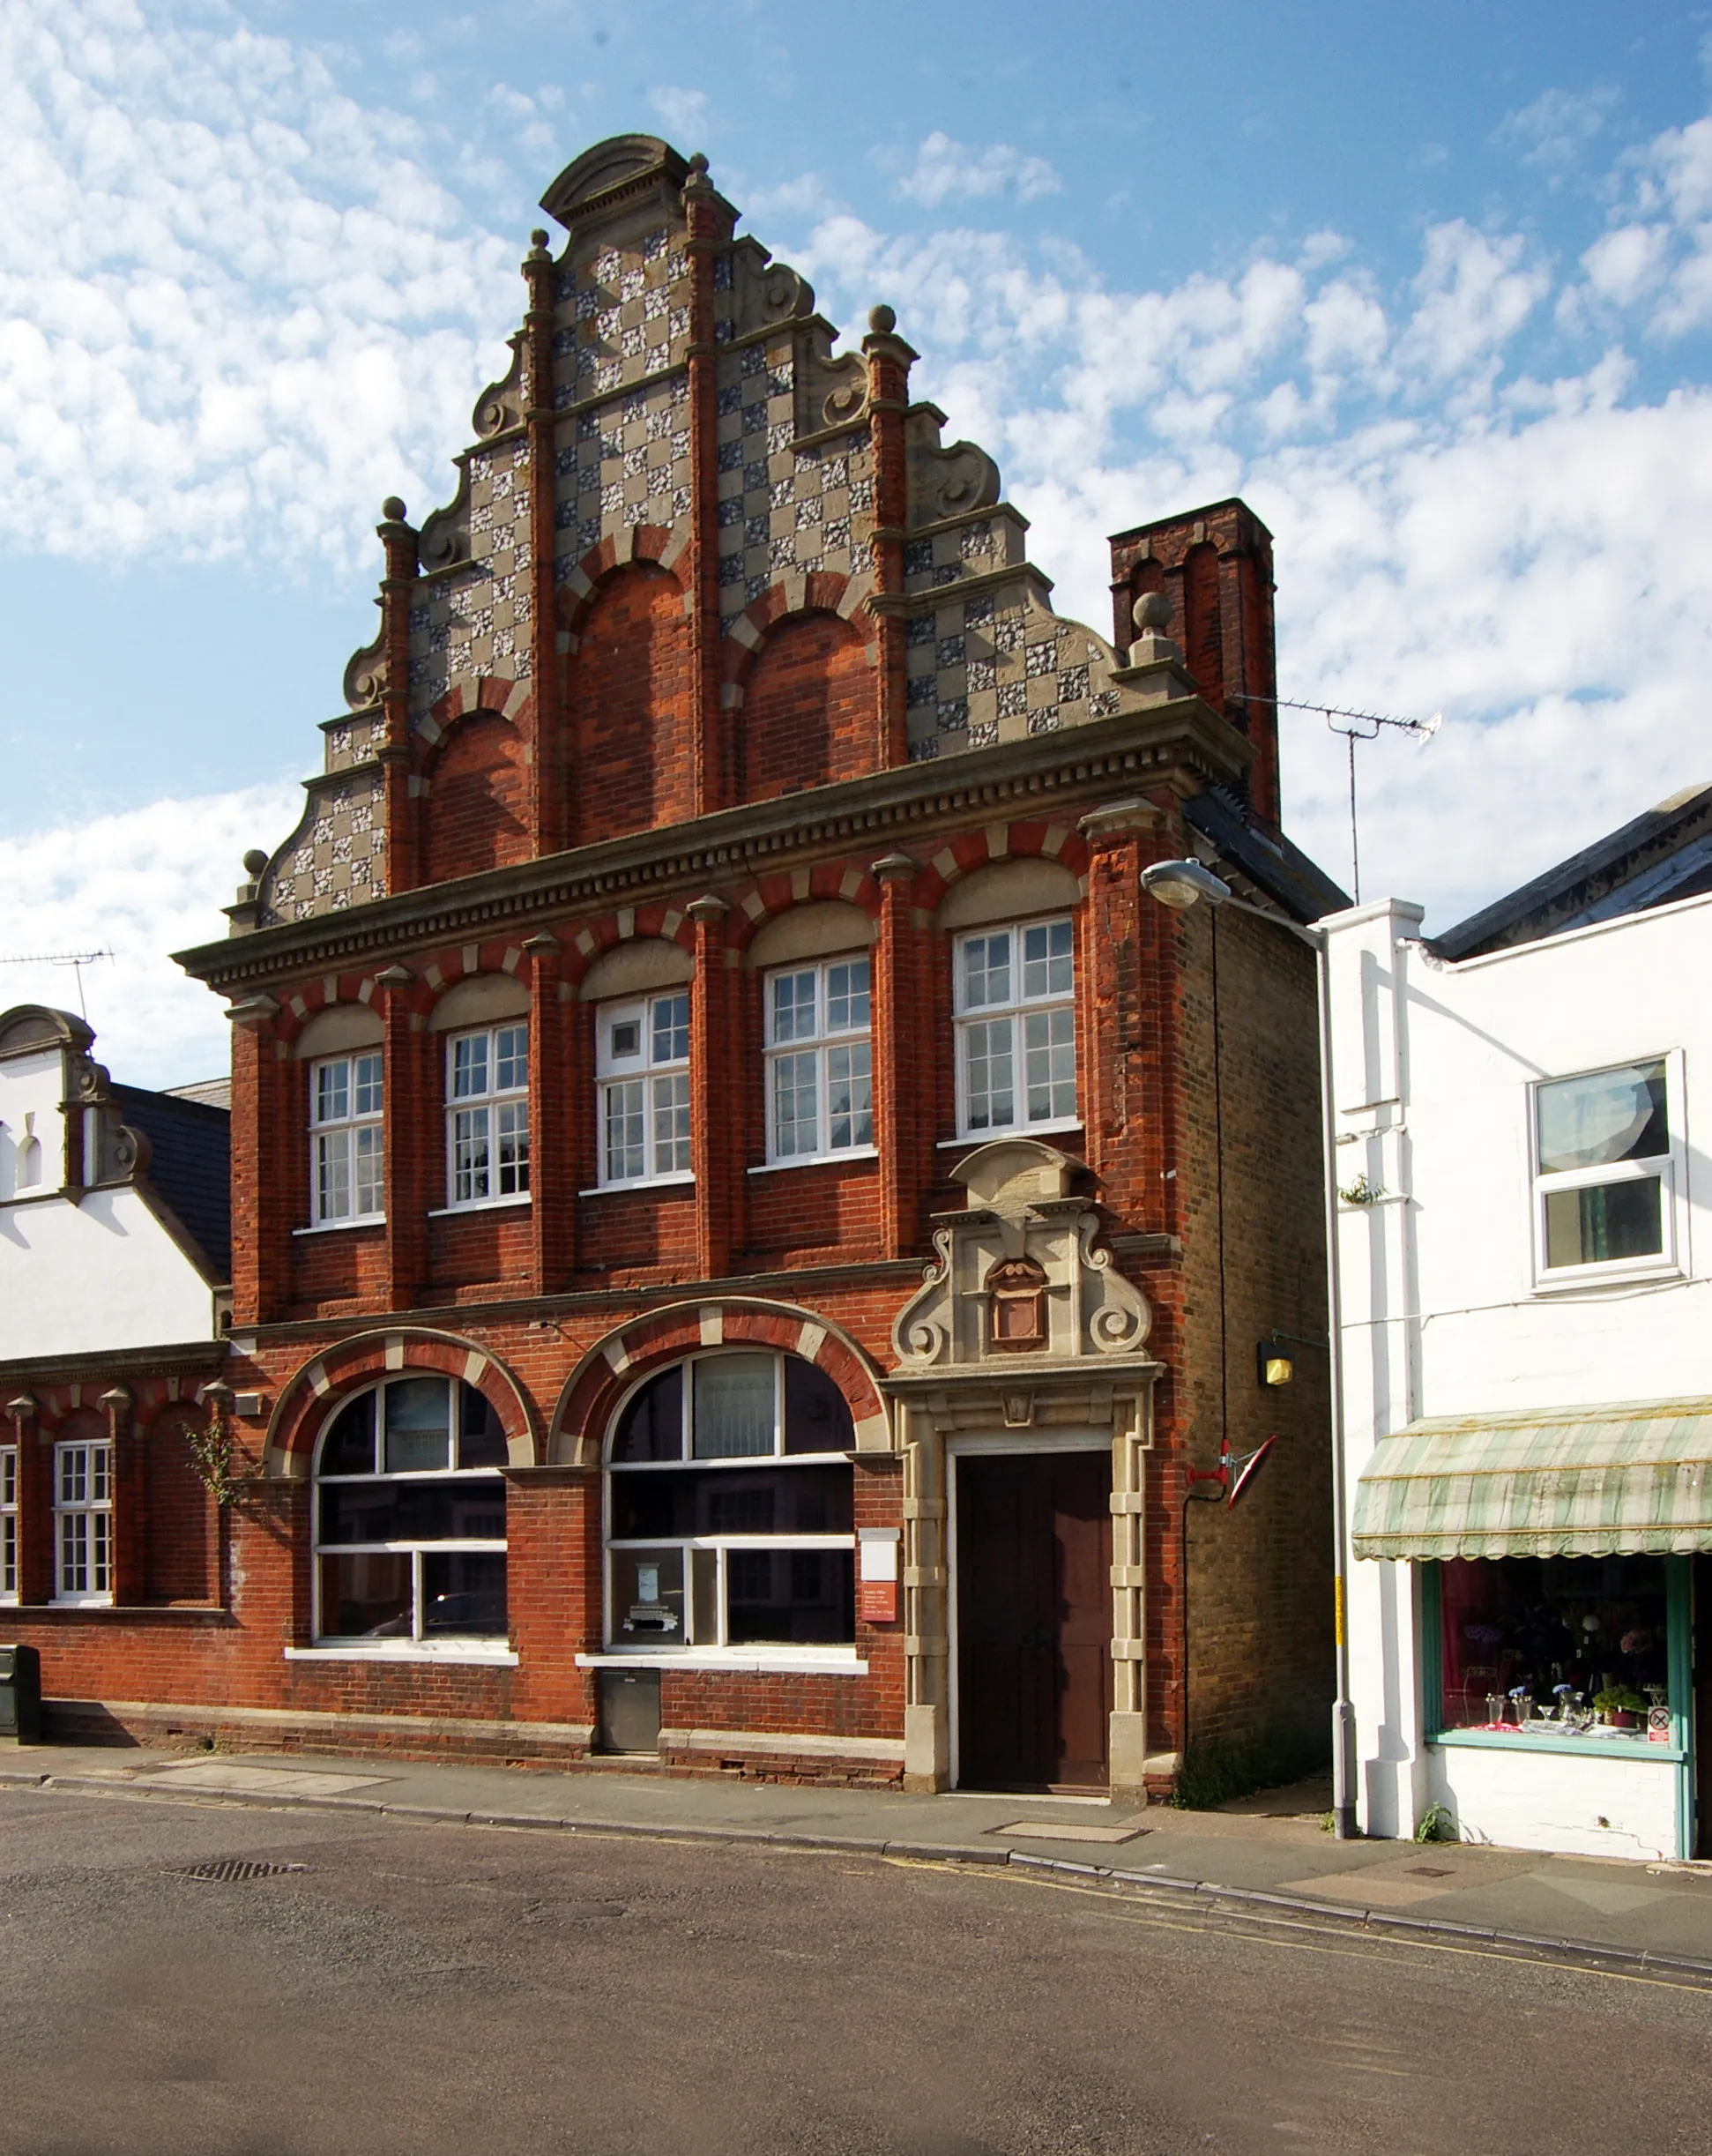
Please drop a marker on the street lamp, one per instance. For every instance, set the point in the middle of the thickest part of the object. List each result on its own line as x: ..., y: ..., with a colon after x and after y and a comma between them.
x: 1180, y: 884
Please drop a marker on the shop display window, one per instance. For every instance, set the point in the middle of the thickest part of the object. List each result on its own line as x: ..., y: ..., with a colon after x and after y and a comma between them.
x: 1556, y: 1647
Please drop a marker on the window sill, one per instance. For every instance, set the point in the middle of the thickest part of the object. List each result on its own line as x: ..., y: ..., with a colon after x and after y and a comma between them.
x: 1577, y: 1279
x: 1620, y: 1744
x: 480, y: 1205
x: 81, y: 1601
x: 342, y: 1227
x: 468, y: 1652
x: 1019, y: 1129
x: 817, y: 1159
x: 738, y: 1661
x: 641, y: 1182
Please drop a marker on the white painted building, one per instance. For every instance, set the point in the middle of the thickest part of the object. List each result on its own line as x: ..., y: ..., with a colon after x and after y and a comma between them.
x: 1525, y: 1258
x: 113, y: 1201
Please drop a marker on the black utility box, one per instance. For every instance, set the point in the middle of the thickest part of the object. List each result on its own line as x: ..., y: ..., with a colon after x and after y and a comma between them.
x: 21, y: 1695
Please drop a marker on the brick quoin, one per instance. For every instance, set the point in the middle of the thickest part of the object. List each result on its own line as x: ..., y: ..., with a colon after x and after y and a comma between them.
x: 736, y: 744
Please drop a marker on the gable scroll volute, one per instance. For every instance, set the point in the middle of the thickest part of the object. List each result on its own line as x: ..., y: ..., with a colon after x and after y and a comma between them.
x: 1021, y: 1212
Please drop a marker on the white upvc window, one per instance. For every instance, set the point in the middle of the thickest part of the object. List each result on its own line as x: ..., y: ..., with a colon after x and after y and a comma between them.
x: 83, y: 1523
x: 487, y: 1116
x: 1014, y: 1000
x: 642, y: 1075
x: 8, y: 1523
x: 820, y: 1071
x: 1607, y: 1173
x: 348, y: 1144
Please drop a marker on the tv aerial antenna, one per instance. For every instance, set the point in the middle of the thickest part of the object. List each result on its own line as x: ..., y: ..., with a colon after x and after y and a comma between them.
x: 76, y: 960
x: 1360, y: 726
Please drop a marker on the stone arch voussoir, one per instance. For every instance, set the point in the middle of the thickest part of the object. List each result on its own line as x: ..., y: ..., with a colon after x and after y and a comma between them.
x: 594, y: 1389
x: 312, y: 1393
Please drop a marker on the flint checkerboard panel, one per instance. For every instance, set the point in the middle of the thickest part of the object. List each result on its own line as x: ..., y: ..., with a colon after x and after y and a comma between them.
x: 337, y: 857
x: 997, y: 665
x: 628, y: 462
x: 476, y: 619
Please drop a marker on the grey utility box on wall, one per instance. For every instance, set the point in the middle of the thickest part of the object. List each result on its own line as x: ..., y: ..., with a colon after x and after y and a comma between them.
x: 20, y: 1695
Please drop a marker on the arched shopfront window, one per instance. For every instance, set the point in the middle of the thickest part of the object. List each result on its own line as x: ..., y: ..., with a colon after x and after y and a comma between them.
x: 730, y: 1508
x: 410, y: 1517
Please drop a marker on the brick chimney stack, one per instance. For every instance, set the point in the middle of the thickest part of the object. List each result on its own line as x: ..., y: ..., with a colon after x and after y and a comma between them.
x: 1215, y: 567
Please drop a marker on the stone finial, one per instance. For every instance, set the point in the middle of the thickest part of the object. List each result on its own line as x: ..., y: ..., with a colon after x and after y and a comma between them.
x: 255, y: 864
x: 1151, y: 614
x: 697, y: 181
x: 883, y: 320
x: 538, y: 237
x: 393, y: 510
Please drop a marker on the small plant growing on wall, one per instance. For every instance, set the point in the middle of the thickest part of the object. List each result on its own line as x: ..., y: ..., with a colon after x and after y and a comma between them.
x: 212, y: 1453
x: 1362, y: 1193
x: 1437, y: 1824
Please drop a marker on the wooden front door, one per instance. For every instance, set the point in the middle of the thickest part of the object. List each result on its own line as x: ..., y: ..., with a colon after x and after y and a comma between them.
x: 1034, y: 1620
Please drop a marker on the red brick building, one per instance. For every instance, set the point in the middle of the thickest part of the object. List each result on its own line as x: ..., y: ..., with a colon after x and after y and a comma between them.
x: 743, y: 1211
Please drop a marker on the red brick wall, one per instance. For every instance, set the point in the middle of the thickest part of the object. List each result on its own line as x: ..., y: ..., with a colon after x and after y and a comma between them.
x: 633, y: 754
x: 808, y: 715
x: 476, y: 810
x: 179, y: 1562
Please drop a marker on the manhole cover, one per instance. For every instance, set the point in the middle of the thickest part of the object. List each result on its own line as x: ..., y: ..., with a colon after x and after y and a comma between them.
x: 227, y: 1869
x: 1428, y: 1871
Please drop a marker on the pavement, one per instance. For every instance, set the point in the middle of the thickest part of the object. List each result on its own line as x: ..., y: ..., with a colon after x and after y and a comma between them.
x: 1264, y: 1861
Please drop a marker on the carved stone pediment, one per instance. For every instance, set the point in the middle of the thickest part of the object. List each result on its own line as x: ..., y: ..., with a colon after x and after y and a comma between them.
x: 1022, y: 1218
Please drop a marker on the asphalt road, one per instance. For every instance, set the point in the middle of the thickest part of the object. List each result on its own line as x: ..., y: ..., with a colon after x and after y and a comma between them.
x: 430, y: 1990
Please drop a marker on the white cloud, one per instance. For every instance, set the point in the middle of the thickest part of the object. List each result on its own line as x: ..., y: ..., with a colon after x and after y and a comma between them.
x: 140, y: 884
x: 683, y: 111
x: 944, y: 171
x: 236, y: 308
x: 1559, y: 127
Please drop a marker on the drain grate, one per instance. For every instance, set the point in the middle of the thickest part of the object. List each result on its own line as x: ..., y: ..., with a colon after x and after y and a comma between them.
x: 225, y: 1870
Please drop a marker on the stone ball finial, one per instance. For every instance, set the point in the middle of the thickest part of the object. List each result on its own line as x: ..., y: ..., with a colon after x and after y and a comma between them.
x: 255, y: 863
x: 698, y: 160
x: 538, y: 238
x: 883, y: 320
x: 1151, y: 614
x: 393, y: 510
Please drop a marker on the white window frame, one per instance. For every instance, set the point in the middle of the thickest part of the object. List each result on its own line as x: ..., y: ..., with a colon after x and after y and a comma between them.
x: 8, y: 1527
x: 357, y: 1135
x: 83, y: 1522
x: 1669, y: 1169
x: 1015, y: 1010
x: 465, y: 1646
x: 617, y: 1643
x: 664, y: 1082
x: 505, y: 1111
x: 822, y: 1044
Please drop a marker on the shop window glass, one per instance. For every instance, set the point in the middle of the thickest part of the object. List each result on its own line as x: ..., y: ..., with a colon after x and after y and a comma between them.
x: 730, y: 1507
x: 8, y: 1523
x: 1565, y: 1646
x: 409, y: 1518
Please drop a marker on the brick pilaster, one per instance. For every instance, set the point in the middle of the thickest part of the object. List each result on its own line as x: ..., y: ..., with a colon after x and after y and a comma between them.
x: 414, y: 1139
x: 714, y: 782
x: 35, y: 1498
x: 714, y: 1089
x: 403, y: 866
x: 267, y: 1196
x: 888, y: 359
x: 544, y: 742
x: 553, y: 1102
x: 130, y: 1498
x: 904, y: 1084
x: 1114, y: 1018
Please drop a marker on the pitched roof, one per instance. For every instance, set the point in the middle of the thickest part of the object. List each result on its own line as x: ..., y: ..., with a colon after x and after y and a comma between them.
x: 190, y: 1166
x: 1659, y: 857
x: 1282, y: 871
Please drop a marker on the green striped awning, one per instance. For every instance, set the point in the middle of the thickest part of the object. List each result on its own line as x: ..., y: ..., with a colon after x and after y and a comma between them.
x: 1636, y: 1476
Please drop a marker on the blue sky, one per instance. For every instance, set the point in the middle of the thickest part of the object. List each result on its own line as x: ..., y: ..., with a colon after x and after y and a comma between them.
x: 1430, y: 286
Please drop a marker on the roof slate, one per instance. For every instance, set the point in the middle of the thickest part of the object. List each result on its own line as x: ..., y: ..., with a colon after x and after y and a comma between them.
x: 190, y: 1166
